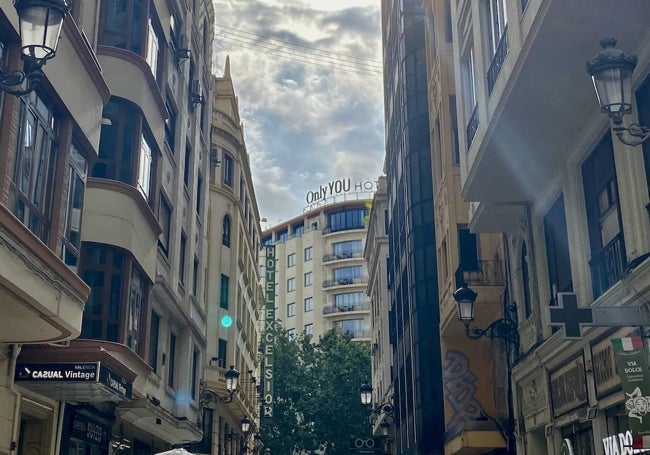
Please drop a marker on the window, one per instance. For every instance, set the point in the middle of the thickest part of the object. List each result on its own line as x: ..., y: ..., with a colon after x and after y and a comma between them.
x: 309, y: 278
x: 467, y: 249
x: 153, y: 49
x: 187, y: 166
x: 182, y: 253
x: 35, y: 166
x: 223, y: 296
x: 348, y: 219
x: 137, y: 299
x: 558, y: 255
x: 348, y: 301
x: 77, y: 172
x: 225, y: 237
x: 309, y: 253
x: 453, y: 114
x: 144, y: 168
x: 309, y: 304
x: 102, y: 269
x: 196, y: 277
x: 291, y: 284
x: 227, y: 169
x: 153, y: 346
x: 196, y: 365
x: 165, y: 220
x: 347, y: 249
x: 291, y: 334
x: 282, y: 236
x: 498, y: 20
x: 309, y: 329
x: 352, y: 327
x: 222, y: 353
x: 291, y: 309
x: 170, y: 124
x: 199, y: 193
x: 122, y: 24
x: 347, y: 275
x: 172, y: 361
x: 291, y: 260
x: 298, y: 229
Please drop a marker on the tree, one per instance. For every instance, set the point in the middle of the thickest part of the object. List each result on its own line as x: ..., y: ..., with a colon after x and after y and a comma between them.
x: 316, y: 395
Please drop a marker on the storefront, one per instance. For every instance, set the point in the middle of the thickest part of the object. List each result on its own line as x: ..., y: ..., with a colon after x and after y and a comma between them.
x: 86, y: 431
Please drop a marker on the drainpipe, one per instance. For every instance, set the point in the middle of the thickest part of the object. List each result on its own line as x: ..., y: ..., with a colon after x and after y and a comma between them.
x: 15, y: 350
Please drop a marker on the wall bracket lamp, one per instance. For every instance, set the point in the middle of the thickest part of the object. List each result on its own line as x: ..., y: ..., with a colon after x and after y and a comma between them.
x: 40, y: 24
x: 366, y: 398
x: 611, y: 72
x: 504, y: 328
x: 207, y: 396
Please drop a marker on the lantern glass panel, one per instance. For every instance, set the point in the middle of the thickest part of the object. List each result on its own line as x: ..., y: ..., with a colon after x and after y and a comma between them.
x: 40, y: 28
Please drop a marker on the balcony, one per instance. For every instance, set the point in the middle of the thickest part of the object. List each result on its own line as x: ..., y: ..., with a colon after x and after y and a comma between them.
x: 345, y: 281
x: 333, y: 310
x: 546, y: 104
x: 341, y: 256
x: 608, y: 267
x: 488, y: 273
x: 361, y: 333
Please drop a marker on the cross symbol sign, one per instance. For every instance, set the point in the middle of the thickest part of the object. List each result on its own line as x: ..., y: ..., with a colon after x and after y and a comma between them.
x: 569, y: 315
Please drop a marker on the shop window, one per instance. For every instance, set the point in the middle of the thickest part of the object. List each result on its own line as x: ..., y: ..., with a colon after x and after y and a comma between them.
x: 33, y: 182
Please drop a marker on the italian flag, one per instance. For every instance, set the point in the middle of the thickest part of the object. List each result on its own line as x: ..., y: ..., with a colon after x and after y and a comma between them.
x: 641, y: 442
x: 627, y: 344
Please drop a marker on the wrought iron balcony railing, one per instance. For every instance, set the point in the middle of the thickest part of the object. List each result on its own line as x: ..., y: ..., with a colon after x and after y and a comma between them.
x: 333, y: 309
x: 608, y: 267
x: 487, y: 273
x: 336, y: 257
x: 497, y: 60
x: 345, y: 281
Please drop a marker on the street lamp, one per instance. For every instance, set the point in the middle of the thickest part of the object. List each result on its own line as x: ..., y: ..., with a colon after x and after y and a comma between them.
x: 505, y: 329
x: 207, y: 396
x: 611, y: 72
x: 245, y: 424
x: 39, y: 25
x: 366, y: 399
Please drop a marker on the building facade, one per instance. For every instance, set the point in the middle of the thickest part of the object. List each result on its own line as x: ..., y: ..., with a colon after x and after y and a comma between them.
x: 234, y: 292
x: 474, y: 371
x: 137, y: 162
x: 413, y: 280
x: 321, y: 275
x: 540, y: 163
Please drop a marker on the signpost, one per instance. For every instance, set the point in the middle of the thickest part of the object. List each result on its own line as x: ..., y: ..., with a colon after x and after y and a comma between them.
x: 366, y: 446
x: 571, y: 317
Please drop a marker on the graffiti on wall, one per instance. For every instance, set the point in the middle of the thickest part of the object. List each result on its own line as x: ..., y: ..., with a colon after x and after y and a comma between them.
x: 460, y: 387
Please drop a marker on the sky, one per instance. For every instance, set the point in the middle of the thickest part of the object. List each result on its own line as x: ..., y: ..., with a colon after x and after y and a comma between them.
x: 308, y: 77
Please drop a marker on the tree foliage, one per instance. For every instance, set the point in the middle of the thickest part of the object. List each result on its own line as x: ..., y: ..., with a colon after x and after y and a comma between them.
x: 316, y: 395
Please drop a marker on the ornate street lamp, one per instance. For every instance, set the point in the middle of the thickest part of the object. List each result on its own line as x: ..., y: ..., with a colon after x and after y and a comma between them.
x: 504, y: 328
x: 39, y: 25
x: 245, y: 424
x: 366, y: 393
x: 232, y: 377
x: 366, y: 399
x: 207, y: 396
x: 611, y: 72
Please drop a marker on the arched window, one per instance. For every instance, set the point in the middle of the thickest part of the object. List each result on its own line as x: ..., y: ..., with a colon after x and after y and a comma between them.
x: 525, y: 278
x: 225, y: 239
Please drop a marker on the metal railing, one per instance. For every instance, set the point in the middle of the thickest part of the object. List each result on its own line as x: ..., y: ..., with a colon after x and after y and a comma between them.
x: 472, y: 126
x: 335, y: 257
x: 333, y: 309
x: 361, y: 333
x: 345, y: 281
x: 488, y: 273
x: 498, y: 59
x: 608, y: 267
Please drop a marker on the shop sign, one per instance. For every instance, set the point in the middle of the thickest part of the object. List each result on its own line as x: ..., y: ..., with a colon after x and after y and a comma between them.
x: 115, y: 382
x: 604, y: 365
x: 269, y: 331
x: 620, y: 444
x: 338, y: 187
x: 57, y: 372
x: 632, y: 368
x: 90, y: 431
x: 568, y: 386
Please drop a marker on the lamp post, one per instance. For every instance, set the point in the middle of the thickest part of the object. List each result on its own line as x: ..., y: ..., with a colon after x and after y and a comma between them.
x: 611, y: 73
x: 39, y: 25
x: 208, y: 396
x: 505, y: 329
x: 366, y: 399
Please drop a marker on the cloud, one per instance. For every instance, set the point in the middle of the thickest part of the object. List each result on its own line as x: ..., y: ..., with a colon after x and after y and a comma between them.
x: 308, y: 78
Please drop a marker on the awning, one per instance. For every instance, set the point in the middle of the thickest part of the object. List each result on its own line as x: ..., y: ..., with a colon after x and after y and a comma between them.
x: 155, y: 420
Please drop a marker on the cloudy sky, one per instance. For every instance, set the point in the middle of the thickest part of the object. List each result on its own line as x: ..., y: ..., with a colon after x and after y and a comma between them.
x: 308, y: 77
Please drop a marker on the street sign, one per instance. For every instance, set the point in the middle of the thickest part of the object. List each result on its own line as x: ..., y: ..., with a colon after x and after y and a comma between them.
x: 366, y: 446
x: 571, y: 317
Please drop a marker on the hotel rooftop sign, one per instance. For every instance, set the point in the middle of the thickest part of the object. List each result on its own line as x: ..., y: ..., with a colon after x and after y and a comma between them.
x: 339, y: 190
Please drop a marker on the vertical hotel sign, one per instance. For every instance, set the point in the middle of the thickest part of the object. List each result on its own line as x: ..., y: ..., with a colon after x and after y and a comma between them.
x: 269, y: 329
x: 632, y: 367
